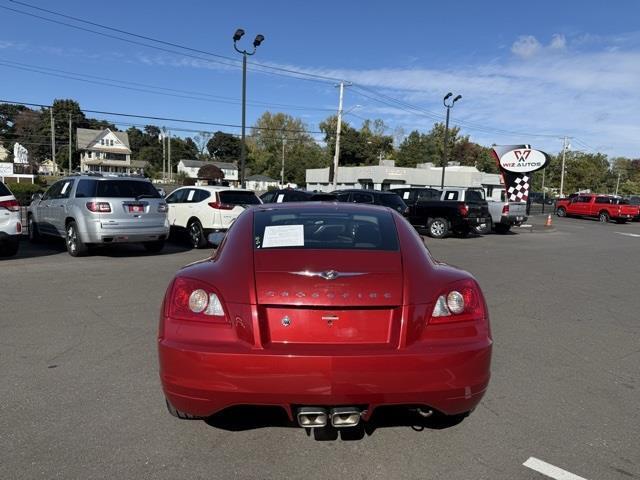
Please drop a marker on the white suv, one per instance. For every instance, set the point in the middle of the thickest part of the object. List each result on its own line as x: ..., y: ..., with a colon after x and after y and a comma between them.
x: 10, y: 224
x: 206, y: 209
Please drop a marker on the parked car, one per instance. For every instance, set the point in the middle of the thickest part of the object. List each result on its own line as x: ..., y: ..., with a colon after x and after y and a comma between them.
x: 89, y: 210
x: 375, y: 197
x: 295, y: 195
x: 454, y: 210
x: 10, y: 224
x: 505, y: 214
x: 328, y: 312
x: 635, y: 200
x: 201, y: 210
x: 603, y: 207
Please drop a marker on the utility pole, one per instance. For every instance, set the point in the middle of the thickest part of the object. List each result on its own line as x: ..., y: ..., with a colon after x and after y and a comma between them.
x: 564, y: 151
x: 169, y: 156
x: 336, y: 158
x: 544, y: 196
x: 69, y: 144
x: 164, y: 153
x: 282, y: 171
x: 618, y: 182
x: 53, y: 137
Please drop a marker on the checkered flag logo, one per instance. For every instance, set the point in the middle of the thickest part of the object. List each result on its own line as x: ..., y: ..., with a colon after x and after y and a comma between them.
x: 520, y: 190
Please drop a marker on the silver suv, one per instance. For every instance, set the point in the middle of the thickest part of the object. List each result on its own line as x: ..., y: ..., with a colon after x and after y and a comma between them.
x: 92, y: 209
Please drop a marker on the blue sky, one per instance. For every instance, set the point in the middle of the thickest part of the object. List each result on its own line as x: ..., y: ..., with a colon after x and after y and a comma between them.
x: 529, y: 72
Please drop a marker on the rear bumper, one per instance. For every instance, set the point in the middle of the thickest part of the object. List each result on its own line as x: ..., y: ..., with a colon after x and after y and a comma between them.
x: 9, y: 237
x: 474, y: 221
x: 504, y: 220
x: 201, y: 383
x: 133, y: 235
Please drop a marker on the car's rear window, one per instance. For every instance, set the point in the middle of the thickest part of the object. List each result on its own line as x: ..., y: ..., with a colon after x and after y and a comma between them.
x: 126, y: 189
x: 4, y: 191
x: 474, y: 196
x: 392, y: 200
x: 231, y: 197
x: 324, y: 229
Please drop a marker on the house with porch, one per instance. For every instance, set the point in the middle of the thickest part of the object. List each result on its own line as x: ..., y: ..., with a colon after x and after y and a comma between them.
x: 103, y: 151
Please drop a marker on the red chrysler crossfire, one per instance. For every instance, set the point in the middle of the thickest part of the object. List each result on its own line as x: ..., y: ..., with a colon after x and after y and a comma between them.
x: 327, y: 310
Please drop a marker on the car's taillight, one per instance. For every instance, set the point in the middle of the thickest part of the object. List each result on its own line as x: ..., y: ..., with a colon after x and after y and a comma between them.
x: 221, y: 206
x: 463, y: 209
x: 195, y: 300
x: 462, y: 301
x: 11, y: 205
x: 163, y: 208
x: 505, y: 209
x: 101, y: 207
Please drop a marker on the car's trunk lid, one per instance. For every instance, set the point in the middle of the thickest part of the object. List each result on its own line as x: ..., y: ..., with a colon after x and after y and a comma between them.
x: 329, y: 297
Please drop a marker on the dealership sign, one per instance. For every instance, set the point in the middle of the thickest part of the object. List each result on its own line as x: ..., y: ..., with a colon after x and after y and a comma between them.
x: 522, y: 160
x: 517, y: 163
x: 6, y: 169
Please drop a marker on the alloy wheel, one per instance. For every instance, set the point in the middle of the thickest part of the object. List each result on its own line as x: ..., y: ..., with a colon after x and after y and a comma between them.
x: 195, y: 233
x: 72, y: 239
x: 437, y: 228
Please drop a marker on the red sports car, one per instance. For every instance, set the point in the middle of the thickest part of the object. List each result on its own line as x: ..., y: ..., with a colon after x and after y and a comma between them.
x: 328, y: 310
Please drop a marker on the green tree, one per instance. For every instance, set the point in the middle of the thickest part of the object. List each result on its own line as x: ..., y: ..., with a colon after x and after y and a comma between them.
x: 271, y: 132
x: 224, y: 147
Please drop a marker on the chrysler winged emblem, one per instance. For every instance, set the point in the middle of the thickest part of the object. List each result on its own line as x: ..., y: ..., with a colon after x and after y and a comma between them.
x: 328, y: 274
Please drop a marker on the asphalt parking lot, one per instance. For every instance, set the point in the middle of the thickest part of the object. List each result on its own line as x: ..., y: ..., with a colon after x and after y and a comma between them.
x: 80, y: 396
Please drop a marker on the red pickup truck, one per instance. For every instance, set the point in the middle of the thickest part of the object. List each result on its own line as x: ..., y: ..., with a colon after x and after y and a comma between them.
x: 604, y: 207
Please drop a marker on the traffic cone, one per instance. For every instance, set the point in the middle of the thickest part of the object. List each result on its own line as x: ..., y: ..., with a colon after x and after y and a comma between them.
x: 548, y: 222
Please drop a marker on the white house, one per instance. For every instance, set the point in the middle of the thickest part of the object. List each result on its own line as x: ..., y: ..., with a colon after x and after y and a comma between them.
x: 191, y: 167
x: 103, y: 151
x: 387, y: 175
x: 48, y: 167
x: 261, y: 183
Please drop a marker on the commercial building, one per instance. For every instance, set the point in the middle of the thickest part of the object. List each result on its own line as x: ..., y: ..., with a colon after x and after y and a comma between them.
x: 387, y: 176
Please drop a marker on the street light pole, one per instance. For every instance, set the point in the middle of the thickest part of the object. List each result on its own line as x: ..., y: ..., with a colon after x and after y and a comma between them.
x: 243, y: 144
x: 448, y: 106
x: 564, y: 151
x: 282, y: 171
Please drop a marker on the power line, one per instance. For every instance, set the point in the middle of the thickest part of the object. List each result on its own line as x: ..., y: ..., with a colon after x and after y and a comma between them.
x: 262, y: 67
x: 106, y: 82
x: 165, y: 119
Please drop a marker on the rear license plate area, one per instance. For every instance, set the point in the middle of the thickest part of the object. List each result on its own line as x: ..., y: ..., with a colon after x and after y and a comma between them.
x: 329, y: 326
x: 135, y: 208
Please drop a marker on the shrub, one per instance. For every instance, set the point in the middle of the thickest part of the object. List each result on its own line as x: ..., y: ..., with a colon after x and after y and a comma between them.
x: 23, y: 191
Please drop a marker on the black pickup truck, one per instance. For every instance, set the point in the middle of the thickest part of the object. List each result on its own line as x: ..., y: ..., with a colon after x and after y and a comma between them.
x: 456, y: 210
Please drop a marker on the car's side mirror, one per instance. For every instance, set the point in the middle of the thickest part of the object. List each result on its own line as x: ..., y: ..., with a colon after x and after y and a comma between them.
x: 36, y: 196
x: 216, y: 238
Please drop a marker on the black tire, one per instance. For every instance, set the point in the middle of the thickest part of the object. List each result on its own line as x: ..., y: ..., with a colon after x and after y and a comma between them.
x: 603, y: 217
x: 179, y: 414
x: 561, y: 212
x: 438, y: 227
x: 75, y: 246
x: 195, y: 232
x: 34, y: 233
x: 10, y: 247
x: 154, y: 247
x: 502, y: 228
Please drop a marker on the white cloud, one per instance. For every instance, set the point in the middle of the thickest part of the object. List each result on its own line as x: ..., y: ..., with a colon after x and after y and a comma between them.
x: 526, y: 46
x: 558, y: 42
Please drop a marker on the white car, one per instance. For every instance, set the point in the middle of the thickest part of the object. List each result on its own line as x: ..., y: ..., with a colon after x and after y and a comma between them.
x: 10, y: 224
x: 206, y: 209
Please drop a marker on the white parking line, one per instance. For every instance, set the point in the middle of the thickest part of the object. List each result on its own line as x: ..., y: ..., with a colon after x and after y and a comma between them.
x: 550, y: 470
x: 628, y: 234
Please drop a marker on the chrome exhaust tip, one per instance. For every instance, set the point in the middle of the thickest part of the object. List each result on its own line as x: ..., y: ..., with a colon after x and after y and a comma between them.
x: 312, y: 417
x: 345, y: 417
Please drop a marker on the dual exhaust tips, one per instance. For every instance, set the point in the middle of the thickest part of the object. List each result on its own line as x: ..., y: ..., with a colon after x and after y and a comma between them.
x: 316, y: 417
